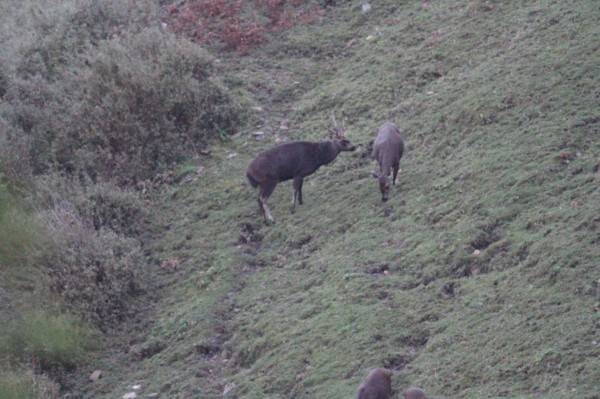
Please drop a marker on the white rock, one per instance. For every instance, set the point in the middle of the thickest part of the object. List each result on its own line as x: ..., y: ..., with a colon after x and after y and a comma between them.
x: 232, y: 155
x: 130, y: 395
x: 365, y: 7
x: 228, y: 388
x: 136, y: 387
x: 476, y: 252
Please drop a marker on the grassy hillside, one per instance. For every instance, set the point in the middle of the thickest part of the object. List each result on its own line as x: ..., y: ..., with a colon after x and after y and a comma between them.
x: 479, y: 278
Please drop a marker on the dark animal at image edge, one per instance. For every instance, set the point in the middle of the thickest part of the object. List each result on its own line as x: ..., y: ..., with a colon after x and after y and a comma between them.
x: 414, y: 393
x: 377, y: 385
x: 387, y: 151
x: 294, y: 160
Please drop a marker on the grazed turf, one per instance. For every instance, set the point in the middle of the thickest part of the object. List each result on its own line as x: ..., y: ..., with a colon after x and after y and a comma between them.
x: 480, y: 277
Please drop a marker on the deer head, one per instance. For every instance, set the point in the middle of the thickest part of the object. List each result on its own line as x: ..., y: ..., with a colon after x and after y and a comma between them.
x: 337, y: 134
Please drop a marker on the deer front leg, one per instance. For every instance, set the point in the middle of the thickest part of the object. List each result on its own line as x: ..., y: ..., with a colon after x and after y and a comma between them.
x: 395, y: 168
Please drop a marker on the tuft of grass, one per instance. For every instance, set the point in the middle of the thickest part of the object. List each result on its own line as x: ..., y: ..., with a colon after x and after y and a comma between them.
x: 15, y: 386
x: 18, y: 231
x: 49, y: 340
x: 24, y: 384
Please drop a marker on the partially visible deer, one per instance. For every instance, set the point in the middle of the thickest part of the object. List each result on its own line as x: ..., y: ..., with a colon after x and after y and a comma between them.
x: 387, y: 151
x: 414, y: 393
x: 294, y: 160
x: 377, y: 385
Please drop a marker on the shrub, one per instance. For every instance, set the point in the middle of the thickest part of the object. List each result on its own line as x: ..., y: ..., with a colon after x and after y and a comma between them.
x: 48, y: 340
x: 15, y: 156
x: 107, y: 206
x: 146, y: 101
x: 95, y: 271
x: 92, y: 90
x: 103, y: 205
x: 237, y: 24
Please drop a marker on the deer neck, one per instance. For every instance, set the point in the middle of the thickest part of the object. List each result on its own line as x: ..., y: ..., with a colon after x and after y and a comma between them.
x: 328, y: 151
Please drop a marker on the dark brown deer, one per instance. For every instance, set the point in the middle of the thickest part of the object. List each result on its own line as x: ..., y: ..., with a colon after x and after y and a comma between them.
x: 414, y: 393
x: 387, y: 151
x: 294, y: 160
x: 377, y: 385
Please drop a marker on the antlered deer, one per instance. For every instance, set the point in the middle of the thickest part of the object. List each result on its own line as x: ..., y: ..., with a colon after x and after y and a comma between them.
x: 387, y: 151
x: 294, y: 160
x: 377, y: 385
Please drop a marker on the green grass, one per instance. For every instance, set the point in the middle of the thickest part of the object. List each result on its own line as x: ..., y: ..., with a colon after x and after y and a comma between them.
x: 18, y: 231
x: 53, y: 340
x: 14, y: 386
x: 499, y: 105
x: 23, y: 384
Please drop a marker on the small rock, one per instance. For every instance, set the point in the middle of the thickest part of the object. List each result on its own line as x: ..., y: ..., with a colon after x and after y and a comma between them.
x: 476, y: 252
x: 96, y: 375
x: 170, y: 264
x: 259, y: 135
x: 147, y: 349
x: 370, y: 38
x: 365, y: 8
x: 231, y: 155
x: 204, y: 152
x: 258, y: 109
x: 136, y: 387
x: 228, y: 388
x: 152, y: 395
x: 130, y: 395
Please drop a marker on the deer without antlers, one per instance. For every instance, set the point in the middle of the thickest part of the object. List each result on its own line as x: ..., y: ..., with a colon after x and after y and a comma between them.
x: 387, y: 151
x: 294, y: 160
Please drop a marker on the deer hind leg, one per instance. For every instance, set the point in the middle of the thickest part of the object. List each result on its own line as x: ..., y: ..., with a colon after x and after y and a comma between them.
x: 297, y: 192
x: 265, y: 192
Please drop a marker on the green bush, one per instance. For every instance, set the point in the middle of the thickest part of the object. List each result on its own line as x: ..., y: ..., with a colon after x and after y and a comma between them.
x: 50, y: 340
x: 97, y: 91
x: 19, y: 232
x: 102, y: 205
x: 106, y: 206
x: 146, y: 101
x: 95, y: 271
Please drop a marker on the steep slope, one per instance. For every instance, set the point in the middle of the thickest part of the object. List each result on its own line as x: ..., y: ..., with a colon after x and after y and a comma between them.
x: 480, y: 277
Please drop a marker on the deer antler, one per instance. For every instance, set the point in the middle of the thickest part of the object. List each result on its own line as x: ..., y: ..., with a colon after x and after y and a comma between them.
x: 336, y: 130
